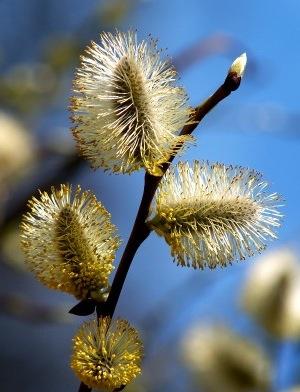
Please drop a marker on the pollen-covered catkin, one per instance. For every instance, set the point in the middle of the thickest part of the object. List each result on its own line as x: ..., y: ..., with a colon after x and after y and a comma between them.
x: 69, y: 242
x: 107, y: 354
x: 212, y: 214
x: 127, y: 111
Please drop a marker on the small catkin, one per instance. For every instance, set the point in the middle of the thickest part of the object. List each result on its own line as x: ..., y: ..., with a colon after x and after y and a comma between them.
x: 107, y: 354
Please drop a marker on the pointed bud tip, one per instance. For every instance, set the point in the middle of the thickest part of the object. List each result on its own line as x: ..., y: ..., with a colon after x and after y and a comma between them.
x: 239, y: 65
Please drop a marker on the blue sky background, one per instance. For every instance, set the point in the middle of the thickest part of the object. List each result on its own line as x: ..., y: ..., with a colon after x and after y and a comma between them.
x: 255, y: 127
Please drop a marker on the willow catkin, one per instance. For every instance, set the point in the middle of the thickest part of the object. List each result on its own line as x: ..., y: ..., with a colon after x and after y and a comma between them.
x: 107, y: 354
x: 212, y: 214
x: 127, y: 111
x: 69, y: 241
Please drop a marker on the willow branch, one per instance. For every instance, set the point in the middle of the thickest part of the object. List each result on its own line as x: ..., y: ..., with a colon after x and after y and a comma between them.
x: 140, y: 230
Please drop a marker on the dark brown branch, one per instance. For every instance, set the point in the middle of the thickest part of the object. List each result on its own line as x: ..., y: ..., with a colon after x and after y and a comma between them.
x: 139, y: 233
x: 230, y: 84
x: 140, y: 230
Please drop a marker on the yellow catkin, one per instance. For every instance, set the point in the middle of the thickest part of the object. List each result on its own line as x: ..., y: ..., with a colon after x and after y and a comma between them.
x: 212, y: 214
x: 107, y: 355
x: 69, y: 241
x: 127, y: 111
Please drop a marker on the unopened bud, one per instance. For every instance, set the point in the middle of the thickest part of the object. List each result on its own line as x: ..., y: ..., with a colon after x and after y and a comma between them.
x: 239, y: 65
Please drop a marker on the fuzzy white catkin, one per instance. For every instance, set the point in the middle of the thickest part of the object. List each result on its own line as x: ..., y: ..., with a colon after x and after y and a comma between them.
x: 127, y: 110
x: 212, y: 214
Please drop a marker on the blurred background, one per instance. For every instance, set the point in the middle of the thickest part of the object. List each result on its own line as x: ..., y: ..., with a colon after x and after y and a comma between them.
x: 235, y: 329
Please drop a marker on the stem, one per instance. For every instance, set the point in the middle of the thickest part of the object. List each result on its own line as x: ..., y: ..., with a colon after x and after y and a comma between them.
x: 140, y: 230
x: 230, y: 84
x: 139, y: 233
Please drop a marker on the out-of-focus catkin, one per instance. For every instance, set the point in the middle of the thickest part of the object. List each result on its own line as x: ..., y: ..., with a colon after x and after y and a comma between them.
x: 222, y: 360
x: 271, y: 294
